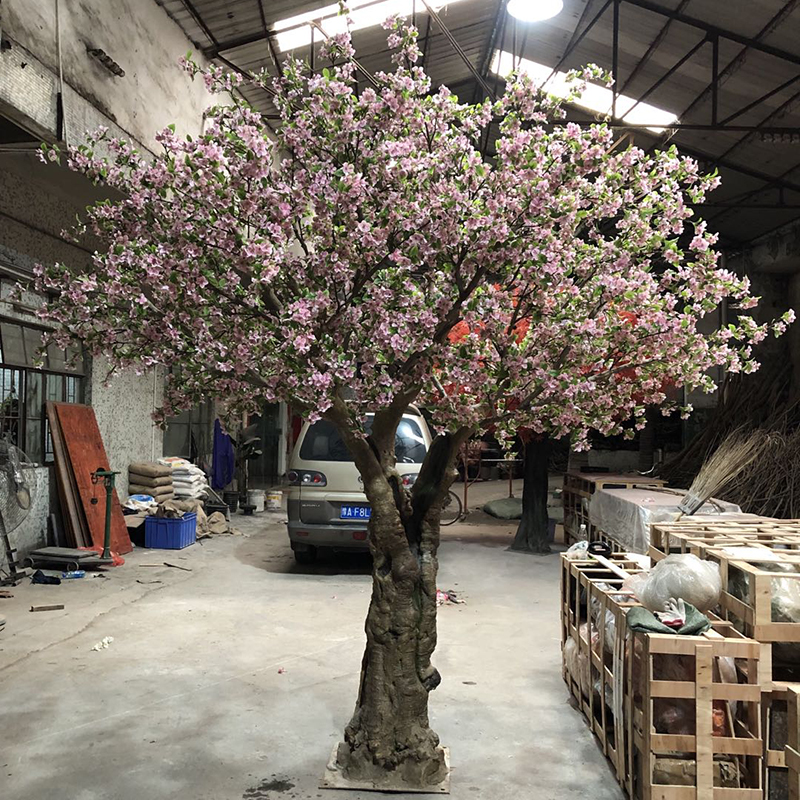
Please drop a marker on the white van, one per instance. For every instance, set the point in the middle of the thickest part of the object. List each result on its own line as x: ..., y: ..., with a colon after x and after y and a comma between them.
x: 327, y: 506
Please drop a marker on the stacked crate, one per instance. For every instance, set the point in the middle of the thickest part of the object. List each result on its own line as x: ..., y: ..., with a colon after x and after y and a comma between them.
x: 588, y: 585
x: 578, y: 490
x: 616, y: 683
x: 759, y: 565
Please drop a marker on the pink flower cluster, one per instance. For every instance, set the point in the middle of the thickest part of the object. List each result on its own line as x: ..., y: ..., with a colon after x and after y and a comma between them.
x: 370, y: 248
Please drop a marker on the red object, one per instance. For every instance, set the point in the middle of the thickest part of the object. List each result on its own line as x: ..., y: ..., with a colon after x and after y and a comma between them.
x: 360, y: 536
x: 86, y: 452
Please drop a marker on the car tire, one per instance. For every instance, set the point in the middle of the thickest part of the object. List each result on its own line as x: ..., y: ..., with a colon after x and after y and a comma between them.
x: 306, y: 557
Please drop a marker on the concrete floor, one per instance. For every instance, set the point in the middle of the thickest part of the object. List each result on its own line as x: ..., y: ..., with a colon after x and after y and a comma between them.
x: 235, y: 680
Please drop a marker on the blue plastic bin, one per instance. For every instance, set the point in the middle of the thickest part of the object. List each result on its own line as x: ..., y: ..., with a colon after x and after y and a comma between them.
x: 170, y: 534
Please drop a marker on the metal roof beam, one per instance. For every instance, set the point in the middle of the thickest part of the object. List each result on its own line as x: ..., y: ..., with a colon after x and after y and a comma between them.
x: 457, y: 47
x: 645, y: 127
x: 651, y: 49
x: 489, y: 46
x: 714, y: 30
x: 195, y: 15
x: 669, y: 73
x: 735, y: 63
x: 701, y: 155
x: 759, y: 100
x: 240, y: 41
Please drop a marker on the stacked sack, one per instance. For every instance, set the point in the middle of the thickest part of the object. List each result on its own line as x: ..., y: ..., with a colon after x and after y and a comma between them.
x: 145, y: 477
x: 188, y: 481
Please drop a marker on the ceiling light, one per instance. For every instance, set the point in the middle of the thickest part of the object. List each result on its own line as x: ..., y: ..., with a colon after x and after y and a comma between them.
x: 534, y: 10
x: 596, y: 98
x: 295, y: 32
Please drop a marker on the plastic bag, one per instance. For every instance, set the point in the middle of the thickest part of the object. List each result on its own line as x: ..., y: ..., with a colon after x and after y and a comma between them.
x: 634, y: 584
x: 610, y: 623
x: 577, y: 662
x: 682, y: 576
x: 577, y: 550
x: 140, y: 502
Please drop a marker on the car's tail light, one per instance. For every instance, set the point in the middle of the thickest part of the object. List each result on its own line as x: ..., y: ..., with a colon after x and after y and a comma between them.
x: 306, y: 477
x: 408, y: 480
x: 360, y: 536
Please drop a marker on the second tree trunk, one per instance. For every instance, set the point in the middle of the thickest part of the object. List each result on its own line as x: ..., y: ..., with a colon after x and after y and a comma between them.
x: 533, y: 532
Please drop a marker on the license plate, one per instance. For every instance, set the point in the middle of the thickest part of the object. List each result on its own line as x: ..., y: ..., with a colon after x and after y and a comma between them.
x: 355, y: 512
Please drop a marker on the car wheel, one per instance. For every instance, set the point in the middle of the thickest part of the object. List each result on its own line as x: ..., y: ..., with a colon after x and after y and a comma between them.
x: 306, y: 556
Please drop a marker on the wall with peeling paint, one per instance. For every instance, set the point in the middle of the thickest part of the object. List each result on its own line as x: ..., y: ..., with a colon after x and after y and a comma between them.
x: 136, y: 35
x: 39, y: 202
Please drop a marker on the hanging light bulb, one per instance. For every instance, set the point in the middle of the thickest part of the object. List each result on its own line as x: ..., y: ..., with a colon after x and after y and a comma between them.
x: 534, y: 10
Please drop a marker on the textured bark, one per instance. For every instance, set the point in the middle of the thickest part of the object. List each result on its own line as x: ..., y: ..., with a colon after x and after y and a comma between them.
x: 533, y: 530
x: 389, y: 741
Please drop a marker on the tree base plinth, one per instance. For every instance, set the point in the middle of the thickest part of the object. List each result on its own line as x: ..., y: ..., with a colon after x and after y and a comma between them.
x: 334, y: 778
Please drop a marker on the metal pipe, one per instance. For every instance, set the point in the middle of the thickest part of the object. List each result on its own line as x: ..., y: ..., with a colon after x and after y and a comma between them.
x: 615, y: 60
x: 426, y: 43
x: 61, y: 125
x: 714, y: 80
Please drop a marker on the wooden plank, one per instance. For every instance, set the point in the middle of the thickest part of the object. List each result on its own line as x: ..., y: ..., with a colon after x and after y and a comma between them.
x: 704, y: 755
x: 86, y: 454
x: 792, y: 752
x: 69, y: 505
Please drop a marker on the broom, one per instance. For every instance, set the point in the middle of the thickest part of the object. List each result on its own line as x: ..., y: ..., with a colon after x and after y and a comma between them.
x: 736, y: 452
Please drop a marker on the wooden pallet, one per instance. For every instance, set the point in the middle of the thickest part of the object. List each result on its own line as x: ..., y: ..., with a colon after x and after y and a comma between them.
x: 741, y: 745
x: 578, y: 490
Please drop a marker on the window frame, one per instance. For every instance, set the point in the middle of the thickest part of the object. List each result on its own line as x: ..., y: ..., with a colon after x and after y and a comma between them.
x: 72, y: 388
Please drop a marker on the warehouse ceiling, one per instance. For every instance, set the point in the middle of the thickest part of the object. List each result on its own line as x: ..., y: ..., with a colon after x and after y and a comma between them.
x: 728, y: 84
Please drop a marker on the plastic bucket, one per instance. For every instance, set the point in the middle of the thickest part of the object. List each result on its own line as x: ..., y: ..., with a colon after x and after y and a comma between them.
x: 255, y: 497
x: 274, y: 501
x: 231, y: 499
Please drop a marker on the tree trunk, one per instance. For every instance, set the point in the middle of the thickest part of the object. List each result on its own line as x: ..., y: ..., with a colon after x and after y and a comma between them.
x: 389, y: 742
x: 533, y: 531
x: 647, y: 441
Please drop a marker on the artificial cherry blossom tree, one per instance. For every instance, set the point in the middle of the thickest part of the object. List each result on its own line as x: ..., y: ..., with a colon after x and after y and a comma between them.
x: 367, y: 256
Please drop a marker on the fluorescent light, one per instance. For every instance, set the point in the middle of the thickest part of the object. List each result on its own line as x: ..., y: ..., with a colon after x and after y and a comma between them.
x: 295, y: 32
x: 596, y: 98
x: 534, y: 10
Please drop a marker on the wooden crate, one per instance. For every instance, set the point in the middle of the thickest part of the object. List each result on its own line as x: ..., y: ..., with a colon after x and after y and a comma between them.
x: 588, y: 586
x: 695, y: 536
x: 616, y: 716
x: 741, y: 746
x: 781, y: 725
x: 578, y: 490
x: 753, y: 612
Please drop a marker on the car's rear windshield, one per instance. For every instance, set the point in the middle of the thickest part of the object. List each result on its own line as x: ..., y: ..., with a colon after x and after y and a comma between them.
x: 323, y: 443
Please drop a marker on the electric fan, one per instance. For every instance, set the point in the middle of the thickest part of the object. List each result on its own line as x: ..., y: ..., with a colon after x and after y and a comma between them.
x: 17, y: 494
